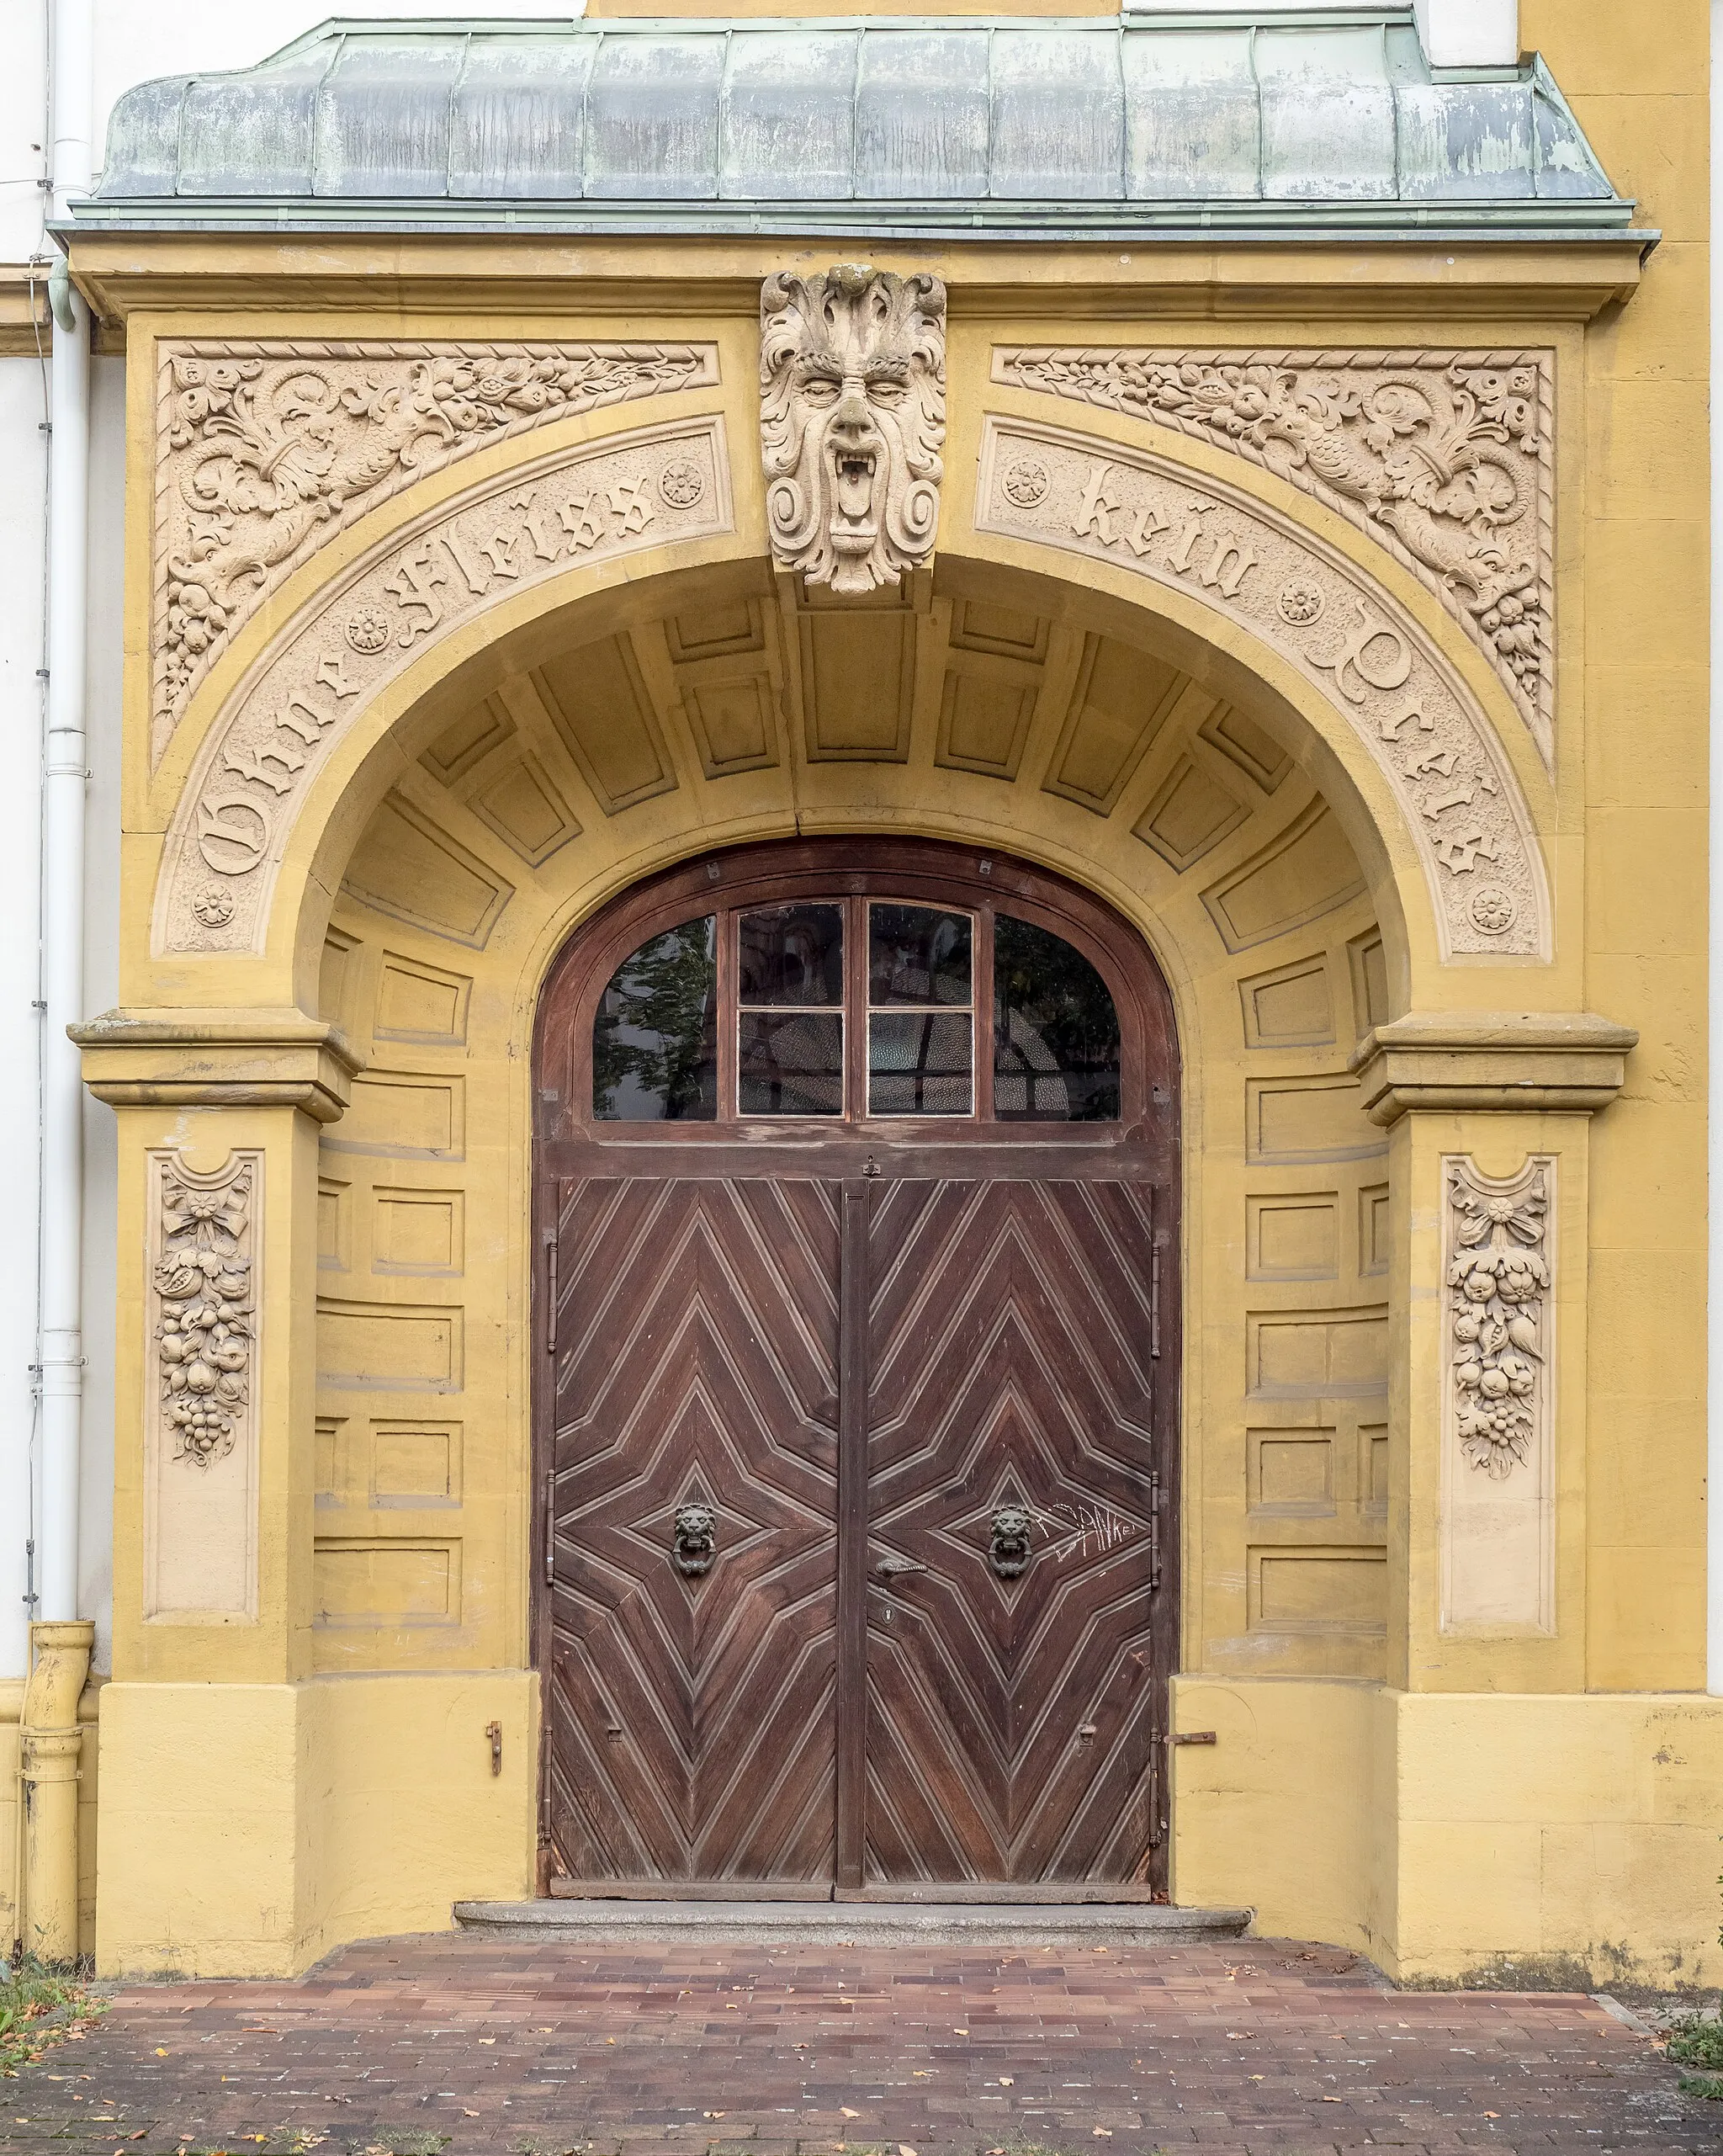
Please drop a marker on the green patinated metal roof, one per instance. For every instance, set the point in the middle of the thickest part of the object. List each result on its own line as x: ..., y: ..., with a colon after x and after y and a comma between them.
x: 1067, y: 128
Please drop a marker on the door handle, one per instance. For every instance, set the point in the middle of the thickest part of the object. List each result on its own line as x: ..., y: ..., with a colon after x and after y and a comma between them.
x: 892, y: 1567
x: 1008, y: 1546
x: 694, y: 1540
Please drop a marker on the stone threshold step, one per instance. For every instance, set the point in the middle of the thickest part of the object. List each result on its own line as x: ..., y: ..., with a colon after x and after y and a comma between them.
x: 858, y: 1923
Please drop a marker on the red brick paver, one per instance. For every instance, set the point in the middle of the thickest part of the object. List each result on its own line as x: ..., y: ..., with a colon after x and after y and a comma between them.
x: 1251, y: 2048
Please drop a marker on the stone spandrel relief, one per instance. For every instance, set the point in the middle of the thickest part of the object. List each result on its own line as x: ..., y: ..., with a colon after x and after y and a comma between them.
x: 638, y: 490
x: 265, y: 449
x: 1444, y: 458
x: 1143, y: 512
x: 205, y: 1248
x: 852, y: 419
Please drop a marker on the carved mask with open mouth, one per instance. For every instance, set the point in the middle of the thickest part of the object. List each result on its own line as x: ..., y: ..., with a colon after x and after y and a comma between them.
x: 852, y: 411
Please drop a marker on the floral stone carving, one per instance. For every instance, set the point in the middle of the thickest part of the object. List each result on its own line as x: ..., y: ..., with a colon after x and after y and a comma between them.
x: 1498, y: 1279
x: 1444, y: 457
x: 204, y: 1288
x: 578, y: 504
x: 852, y: 418
x: 265, y: 449
x: 1221, y: 547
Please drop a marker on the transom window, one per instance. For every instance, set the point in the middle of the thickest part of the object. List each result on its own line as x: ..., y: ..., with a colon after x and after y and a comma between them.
x: 860, y: 1008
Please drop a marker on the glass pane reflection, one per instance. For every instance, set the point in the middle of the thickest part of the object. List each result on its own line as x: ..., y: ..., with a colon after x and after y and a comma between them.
x: 1055, y: 1033
x: 919, y: 1063
x: 790, y: 1064
x: 654, y: 1038
x: 917, y: 954
x: 792, y: 954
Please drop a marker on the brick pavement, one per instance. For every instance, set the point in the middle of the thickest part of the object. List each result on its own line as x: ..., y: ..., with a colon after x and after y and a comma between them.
x: 1247, y: 2048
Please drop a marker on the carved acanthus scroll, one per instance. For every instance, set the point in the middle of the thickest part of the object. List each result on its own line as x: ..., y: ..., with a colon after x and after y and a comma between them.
x: 1497, y: 1281
x: 1150, y: 515
x: 577, y: 504
x: 852, y: 418
x: 1444, y: 457
x: 265, y: 449
x: 204, y: 1286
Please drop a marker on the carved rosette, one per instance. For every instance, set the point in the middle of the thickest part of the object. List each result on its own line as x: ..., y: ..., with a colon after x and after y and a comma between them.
x: 852, y: 418
x: 203, y: 1287
x: 586, y: 503
x: 266, y: 449
x: 1497, y: 1283
x: 1148, y: 514
x: 1443, y: 457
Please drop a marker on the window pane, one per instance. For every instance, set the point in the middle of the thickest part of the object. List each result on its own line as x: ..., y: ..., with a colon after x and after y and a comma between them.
x: 917, y: 955
x: 792, y: 955
x: 918, y: 1062
x: 791, y: 1065
x: 1056, y: 1033
x: 654, y: 1038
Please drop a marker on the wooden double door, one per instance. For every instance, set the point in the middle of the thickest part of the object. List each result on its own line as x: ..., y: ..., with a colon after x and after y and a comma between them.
x: 855, y: 1508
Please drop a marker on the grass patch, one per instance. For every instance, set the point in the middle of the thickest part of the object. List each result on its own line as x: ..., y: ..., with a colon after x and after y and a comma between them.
x: 1702, y: 2085
x: 1694, y: 2042
x: 39, y: 2007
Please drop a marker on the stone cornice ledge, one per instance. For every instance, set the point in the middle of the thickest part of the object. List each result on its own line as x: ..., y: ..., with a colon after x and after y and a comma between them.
x: 1491, y: 1060
x: 217, y: 1059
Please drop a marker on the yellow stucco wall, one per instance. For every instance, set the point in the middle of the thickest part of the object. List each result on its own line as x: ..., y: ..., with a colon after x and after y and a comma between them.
x: 1442, y: 1797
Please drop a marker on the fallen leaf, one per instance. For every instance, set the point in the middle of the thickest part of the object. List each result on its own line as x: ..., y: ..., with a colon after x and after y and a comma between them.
x: 798, y: 2047
x: 1006, y: 2080
x: 921, y: 2073
x: 960, y: 2032
x: 1492, y: 2115
x: 466, y: 2114
x: 904, y: 2149
x: 848, y: 2112
x: 1242, y: 2035
x: 161, y: 2053
x: 1102, y: 2132
x: 1331, y: 2099
x: 610, y: 2040
x: 711, y: 2115
x: 487, y: 2040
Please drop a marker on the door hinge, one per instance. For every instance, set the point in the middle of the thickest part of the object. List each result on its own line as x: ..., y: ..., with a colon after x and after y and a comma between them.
x: 1154, y: 1296
x: 550, y: 1527
x: 550, y: 1296
x: 1154, y: 1532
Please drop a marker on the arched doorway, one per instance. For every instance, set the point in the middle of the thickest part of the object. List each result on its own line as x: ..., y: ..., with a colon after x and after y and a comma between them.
x: 857, y: 1382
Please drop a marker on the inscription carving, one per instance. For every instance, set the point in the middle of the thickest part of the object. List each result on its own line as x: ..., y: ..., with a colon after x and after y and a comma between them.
x: 1309, y: 604
x: 1498, y: 1278
x: 265, y: 449
x: 582, y: 503
x: 204, y: 1287
x: 1444, y: 457
x: 852, y: 418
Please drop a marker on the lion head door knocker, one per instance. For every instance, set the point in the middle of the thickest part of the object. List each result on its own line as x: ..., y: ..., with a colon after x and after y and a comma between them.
x: 1008, y: 1546
x: 852, y: 418
x: 694, y: 1540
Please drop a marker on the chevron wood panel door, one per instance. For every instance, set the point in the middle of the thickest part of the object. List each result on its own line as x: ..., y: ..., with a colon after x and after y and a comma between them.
x: 692, y: 1549
x: 856, y: 1186
x: 1013, y: 1706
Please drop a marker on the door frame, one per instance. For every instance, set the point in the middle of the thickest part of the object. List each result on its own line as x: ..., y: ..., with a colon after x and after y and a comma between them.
x: 852, y: 1153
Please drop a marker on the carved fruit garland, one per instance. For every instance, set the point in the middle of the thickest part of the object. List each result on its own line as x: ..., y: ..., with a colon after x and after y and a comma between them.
x: 205, y: 1332
x: 1498, y: 1279
x: 265, y: 449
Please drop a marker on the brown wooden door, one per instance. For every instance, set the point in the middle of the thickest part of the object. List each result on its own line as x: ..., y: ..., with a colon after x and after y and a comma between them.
x: 857, y: 1439
x: 691, y: 1678
x: 1013, y: 1536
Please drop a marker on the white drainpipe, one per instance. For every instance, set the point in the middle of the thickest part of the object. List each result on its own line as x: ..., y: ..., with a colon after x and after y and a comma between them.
x: 1713, y: 1102
x: 65, y: 776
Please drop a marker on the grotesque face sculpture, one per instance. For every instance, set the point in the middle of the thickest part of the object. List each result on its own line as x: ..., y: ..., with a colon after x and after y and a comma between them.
x: 852, y: 415
x: 694, y: 1541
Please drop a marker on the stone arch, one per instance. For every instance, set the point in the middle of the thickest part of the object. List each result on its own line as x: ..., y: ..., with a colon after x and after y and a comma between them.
x: 431, y: 597
x: 1034, y: 722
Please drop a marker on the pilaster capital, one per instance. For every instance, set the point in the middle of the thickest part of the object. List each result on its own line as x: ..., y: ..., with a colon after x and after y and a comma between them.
x: 255, y: 1058
x: 1567, y: 1060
